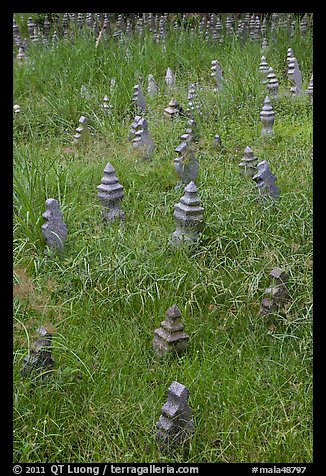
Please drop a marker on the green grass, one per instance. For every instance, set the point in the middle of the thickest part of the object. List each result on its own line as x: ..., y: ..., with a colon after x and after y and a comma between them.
x: 250, y: 379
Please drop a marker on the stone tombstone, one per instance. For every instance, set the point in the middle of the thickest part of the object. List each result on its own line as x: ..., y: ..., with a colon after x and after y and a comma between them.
x: 289, y: 55
x: 40, y: 355
x: 267, y: 118
x: 217, y: 74
x: 175, y: 424
x: 272, y: 84
x: 186, y: 165
x: 152, y: 88
x: 265, y: 181
x: 264, y: 46
x: 82, y: 132
x: 173, y: 110
x: 263, y: 68
x: 248, y: 163
x: 294, y: 76
x: 276, y: 295
x: 310, y: 89
x: 143, y: 140
x: 170, y: 80
x: 170, y: 338
x: 55, y: 39
x: 188, y: 215
x: 110, y: 194
x: 139, y: 99
x: 134, y: 127
x: 54, y: 230
x: 30, y: 26
x: 21, y: 56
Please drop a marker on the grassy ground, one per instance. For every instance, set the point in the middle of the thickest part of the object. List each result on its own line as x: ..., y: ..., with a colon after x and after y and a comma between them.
x: 250, y: 379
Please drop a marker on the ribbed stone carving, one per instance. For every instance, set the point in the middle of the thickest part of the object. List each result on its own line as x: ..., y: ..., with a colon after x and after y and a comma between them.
x: 186, y: 165
x: 188, y: 215
x: 175, y: 424
x: 263, y: 68
x: 82, y: 132
x: 173, y: 109
x: 110, y: 194
x: 272, y: 84
x: 143, y: 140
x: 267, y: 117
x: 170, y: 338
x: 248, y: 162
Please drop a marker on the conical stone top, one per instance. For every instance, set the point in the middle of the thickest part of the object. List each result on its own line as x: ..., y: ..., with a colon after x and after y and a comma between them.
x: 267, y: 117
x: 188, y: 215
x: 110, y: 194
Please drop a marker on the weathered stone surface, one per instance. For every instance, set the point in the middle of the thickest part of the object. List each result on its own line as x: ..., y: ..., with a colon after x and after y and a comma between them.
x: 54, y: 230
x: 186, y: 165
x: 294, y: 76
x: 139, y: 99
x: 276, y: 295
x: 82, y: 135
x: 40, y: 356
x: 134, y: 127
x: 272, y: 84
x: 264, y: 68
x: 248, y: 162
x: 267, y: 118
x: 175, y: 424
x: 217, y: 74
x: 152, y: 88
x: 143, y: 140
x: 188, y: 216
x: 170, y: 80
x: 173, y: 109
x: 110, y: 194
x: 170, y: 338
x: 265, y: 181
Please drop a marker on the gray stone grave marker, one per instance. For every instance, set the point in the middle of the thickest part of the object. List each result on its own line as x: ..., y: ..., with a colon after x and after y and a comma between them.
x: 152, y: 88
x: 186, y: 165
x: 248, y: 163
x: 110, y: 194
x: 267, y: 118
x: 139, y: 99
x: 173, y: 109
x: 54, y: 230
x: 143, y: 140
x: 170, y: 338
x: 170, y: 80
x: 265, y: 181
x: 175, y: 424
x: 276, y: 295
x: 40, y: 356
x: 82, y: 132
x: 188, y: 215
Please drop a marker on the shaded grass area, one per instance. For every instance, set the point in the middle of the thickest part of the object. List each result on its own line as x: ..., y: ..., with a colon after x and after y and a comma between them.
x: 250, y: 380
